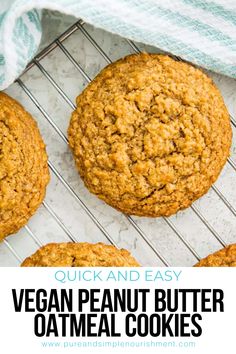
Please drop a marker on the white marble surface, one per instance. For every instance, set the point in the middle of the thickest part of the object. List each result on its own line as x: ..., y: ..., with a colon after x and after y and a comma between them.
x: 65, y: 205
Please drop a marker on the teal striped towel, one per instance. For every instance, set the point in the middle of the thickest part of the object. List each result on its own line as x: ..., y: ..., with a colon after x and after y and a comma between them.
x: 200, y: 31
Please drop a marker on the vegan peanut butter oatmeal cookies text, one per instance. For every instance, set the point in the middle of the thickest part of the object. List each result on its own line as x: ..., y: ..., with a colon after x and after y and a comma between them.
x: 150, y: 135
x: 80, y: 255
x: 24, y: 172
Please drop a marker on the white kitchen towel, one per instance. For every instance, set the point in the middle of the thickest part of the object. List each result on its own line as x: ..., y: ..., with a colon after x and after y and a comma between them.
x: 200, y: 31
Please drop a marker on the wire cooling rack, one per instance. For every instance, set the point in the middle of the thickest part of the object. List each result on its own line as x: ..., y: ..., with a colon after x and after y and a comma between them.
x: 48, y: 89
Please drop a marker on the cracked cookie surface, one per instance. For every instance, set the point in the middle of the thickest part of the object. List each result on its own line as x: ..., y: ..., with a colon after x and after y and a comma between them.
x: 150, y: 135
x: 80, y: 255
x: 24, y: 172
x: 226, y: 257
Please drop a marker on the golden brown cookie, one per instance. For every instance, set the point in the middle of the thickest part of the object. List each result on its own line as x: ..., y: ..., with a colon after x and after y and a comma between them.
x: 24, y: 172
x: 223, y: 258
x: 150, y: 134
x: 80, y: 255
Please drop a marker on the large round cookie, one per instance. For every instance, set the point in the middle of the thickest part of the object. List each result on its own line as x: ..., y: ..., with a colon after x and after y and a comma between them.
x: 150, y: 135
x: 226, y: 257
x: 80, y: 255
x: 24, y: 172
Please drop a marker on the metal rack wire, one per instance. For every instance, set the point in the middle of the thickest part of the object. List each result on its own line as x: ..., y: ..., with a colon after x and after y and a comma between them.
x: 58, y: 43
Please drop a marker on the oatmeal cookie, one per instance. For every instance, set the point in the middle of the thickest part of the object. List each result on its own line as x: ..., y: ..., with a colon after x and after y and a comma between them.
x: 226, y: 257
x: 150, y: 135
x: 24, y: 172
x: 80, y: 255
